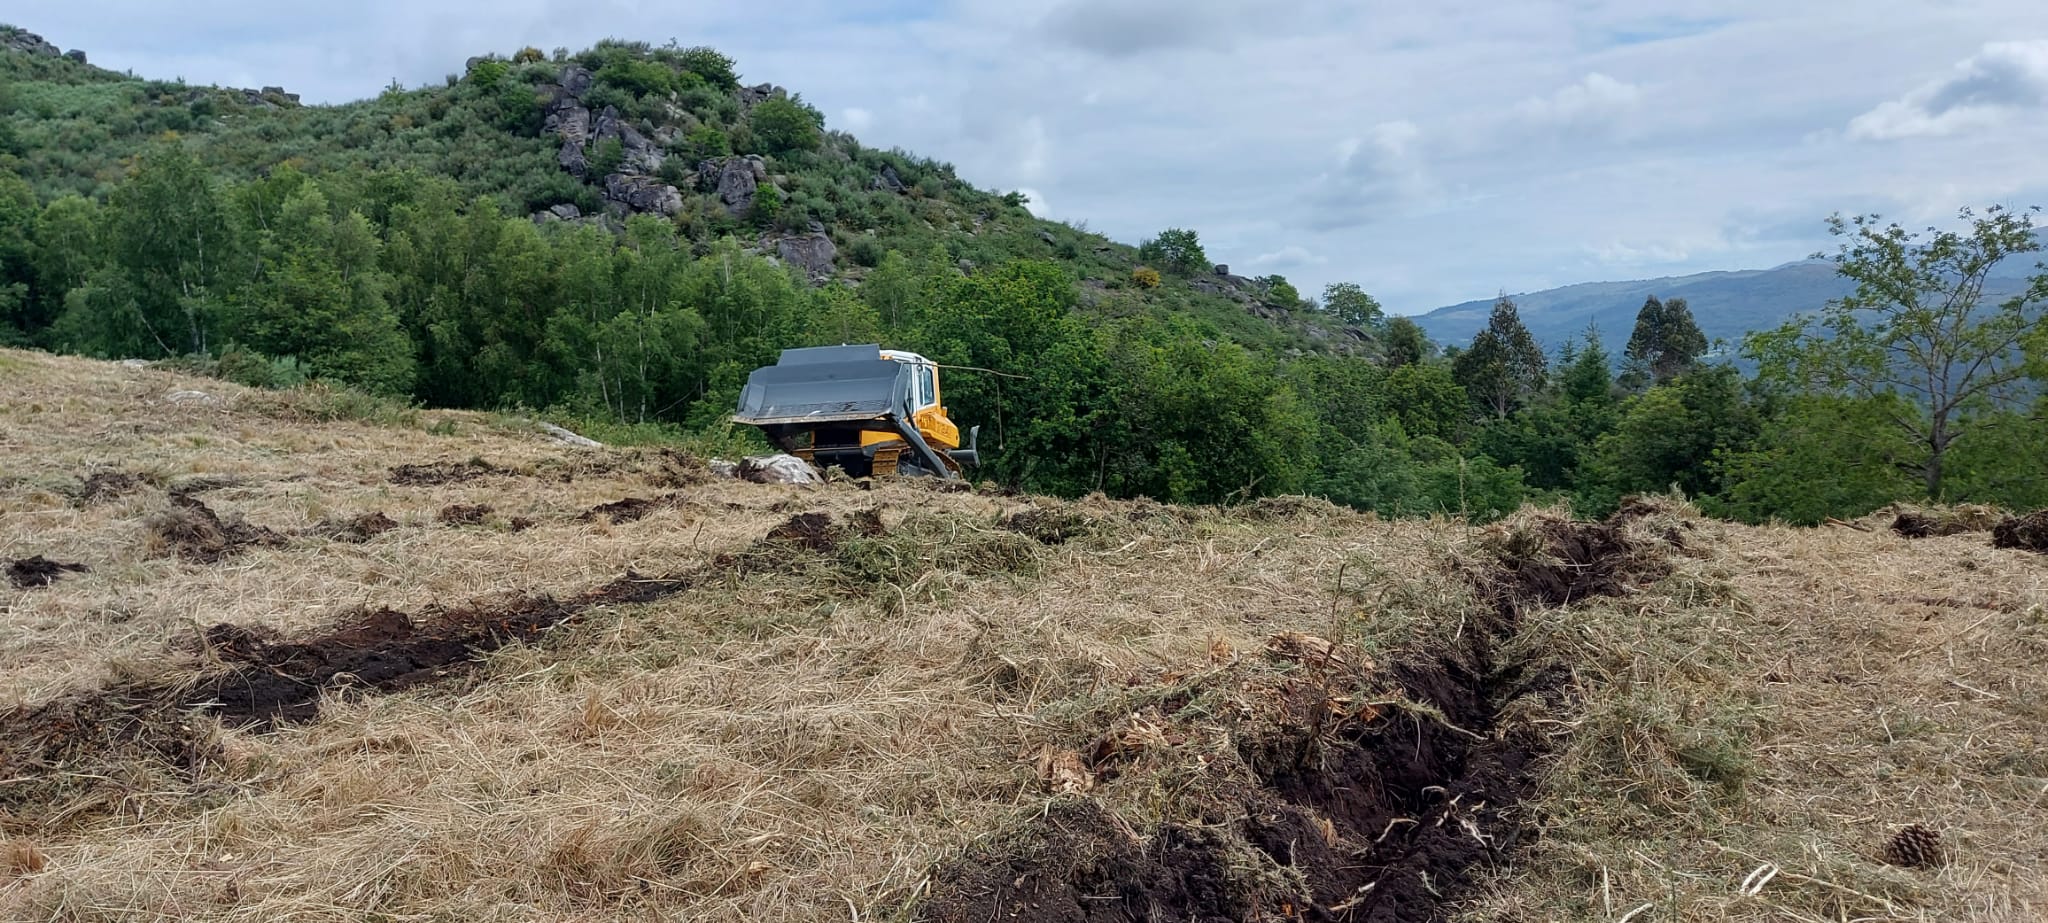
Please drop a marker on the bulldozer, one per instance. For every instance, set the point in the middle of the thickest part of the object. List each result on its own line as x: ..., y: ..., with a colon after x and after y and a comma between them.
x: 869, y: 411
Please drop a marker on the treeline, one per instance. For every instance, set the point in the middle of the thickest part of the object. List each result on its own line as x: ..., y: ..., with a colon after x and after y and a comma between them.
x: 394, y: 283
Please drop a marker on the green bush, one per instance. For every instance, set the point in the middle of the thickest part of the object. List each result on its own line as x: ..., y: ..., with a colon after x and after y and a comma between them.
x: 782, y: 125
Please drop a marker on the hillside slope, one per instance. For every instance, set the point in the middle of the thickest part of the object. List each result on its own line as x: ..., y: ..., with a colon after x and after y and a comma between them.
x: 592, y: 138
x: 328, y: 661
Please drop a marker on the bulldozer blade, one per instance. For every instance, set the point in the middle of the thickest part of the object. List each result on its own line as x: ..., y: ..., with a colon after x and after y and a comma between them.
x: 827, y: 384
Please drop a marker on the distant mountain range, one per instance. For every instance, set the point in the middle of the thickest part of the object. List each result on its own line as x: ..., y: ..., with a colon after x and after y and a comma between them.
x: 1726, y: 304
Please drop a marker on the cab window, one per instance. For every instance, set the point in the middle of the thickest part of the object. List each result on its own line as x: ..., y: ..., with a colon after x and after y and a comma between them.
x: 927, y: 386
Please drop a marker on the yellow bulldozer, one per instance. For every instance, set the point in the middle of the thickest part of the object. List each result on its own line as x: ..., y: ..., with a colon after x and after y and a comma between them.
x: 869, y: 411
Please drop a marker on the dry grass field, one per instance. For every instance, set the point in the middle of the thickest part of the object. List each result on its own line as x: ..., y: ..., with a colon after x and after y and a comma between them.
x: 305, y: 676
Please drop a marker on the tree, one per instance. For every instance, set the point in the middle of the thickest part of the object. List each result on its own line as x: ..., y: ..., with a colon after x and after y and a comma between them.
x: 1665, y: 344
x: 1352, y: 305
x: 1504, y: 367
x: 1672, y: 436
x: 175, y: 241
x: 321, y: 298
x: 18, y: 214
x: 1921, y: 328
x: 1177, y: 249
x: 1406, y: 344
x: 1587, y: 378
x: 782, y: 125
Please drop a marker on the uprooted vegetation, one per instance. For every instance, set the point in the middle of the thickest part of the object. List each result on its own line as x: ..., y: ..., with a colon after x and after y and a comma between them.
x: 39, y: 571
x: 2027, y: 533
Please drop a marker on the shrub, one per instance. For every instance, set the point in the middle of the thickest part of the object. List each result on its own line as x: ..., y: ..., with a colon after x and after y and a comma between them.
x: 782, y: 125
x: 528, y: 55
x: 714, y: 68
x: 486, y: 74
x: 866, y: 251
x: 1145, y: 277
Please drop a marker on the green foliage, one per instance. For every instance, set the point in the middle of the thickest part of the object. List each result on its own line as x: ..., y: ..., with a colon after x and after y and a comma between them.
x: 605, y: 157
x: 1673, y: 436
x: 1504, y: 367
x: 487, y: 74
x: 705, y: 142
x: 1406, y: 344
x: 1821, y: 456
x: 1919, y: 330
x: 708, y: 65
x: 1350, y: 304
x: 1665, y: 344
x: 1178, y: 250
x: 781, y: 126
x: 1280, y: 292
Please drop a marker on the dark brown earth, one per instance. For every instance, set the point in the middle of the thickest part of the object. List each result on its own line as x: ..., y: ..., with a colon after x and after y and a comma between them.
x: 463, y: 514
x: 40, y: 571
x: 193, y: 532
x: 435, y: 474
x: 2029, y: 532
x: 810, y: 531
x: 101, y: 486
x: 1389, y: 814
x: 521, y: 523
x: 629, y: 509
x: 356, y: 529
x: 84, y: 753
x: 675, y: 469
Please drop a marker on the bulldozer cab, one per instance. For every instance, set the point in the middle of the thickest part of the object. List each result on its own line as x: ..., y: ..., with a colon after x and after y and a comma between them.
x: 867, y: 410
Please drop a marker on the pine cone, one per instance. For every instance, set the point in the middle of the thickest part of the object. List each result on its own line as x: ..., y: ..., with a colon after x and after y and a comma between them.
x: 1915, y: 847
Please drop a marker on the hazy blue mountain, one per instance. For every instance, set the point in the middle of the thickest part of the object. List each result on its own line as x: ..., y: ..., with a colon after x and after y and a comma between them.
x: 1727, y: 304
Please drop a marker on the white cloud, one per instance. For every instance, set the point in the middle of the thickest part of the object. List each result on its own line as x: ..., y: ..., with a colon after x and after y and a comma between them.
x: 1981, y: 91
x: 1034, y: 202
x: 1596, y: 98
x: 856, y: 119
x: 1374, y: 175
x: 1290, y: 257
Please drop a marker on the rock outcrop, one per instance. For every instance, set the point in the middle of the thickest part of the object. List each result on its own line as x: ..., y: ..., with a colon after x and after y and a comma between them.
x: 734, y: 179
x: 643, y: 194
x: 813, y: 252
x: 29, y: 43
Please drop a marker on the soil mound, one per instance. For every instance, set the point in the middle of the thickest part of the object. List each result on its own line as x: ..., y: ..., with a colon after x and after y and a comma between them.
x: 1944, y: 521
x: 356, y: 529
x: 192, y: 531
x: 810, y: 531
x: 464, y: 514
x: 40, y: 571
x: 101, y: 486
x: 383, y: 650
x: 435, y: 474
x: 2029, y: 532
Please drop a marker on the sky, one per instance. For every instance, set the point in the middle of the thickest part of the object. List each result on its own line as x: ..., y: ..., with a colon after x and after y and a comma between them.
x: 1431, y: 152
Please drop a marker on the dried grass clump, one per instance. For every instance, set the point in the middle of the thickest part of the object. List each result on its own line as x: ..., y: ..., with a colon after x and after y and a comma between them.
x: 189, y: 529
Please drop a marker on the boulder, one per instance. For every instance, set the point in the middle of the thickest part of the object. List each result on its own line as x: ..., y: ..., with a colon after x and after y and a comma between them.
x: 565, y: 211
x: 642, y: 155
x: 643, y: 194
x: 888, y: 179
x: 813, y: 252
x: 756, y: 95
x: 567, y: 437
x: 777, y: 469
x: 75, y: 55
x: 732, y: 178
x: 573, y: 159
x: 572, y: 123
x: 576, y: 81
x: 544, y: 217
x: 759, y: 165
x: 191, y: 398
